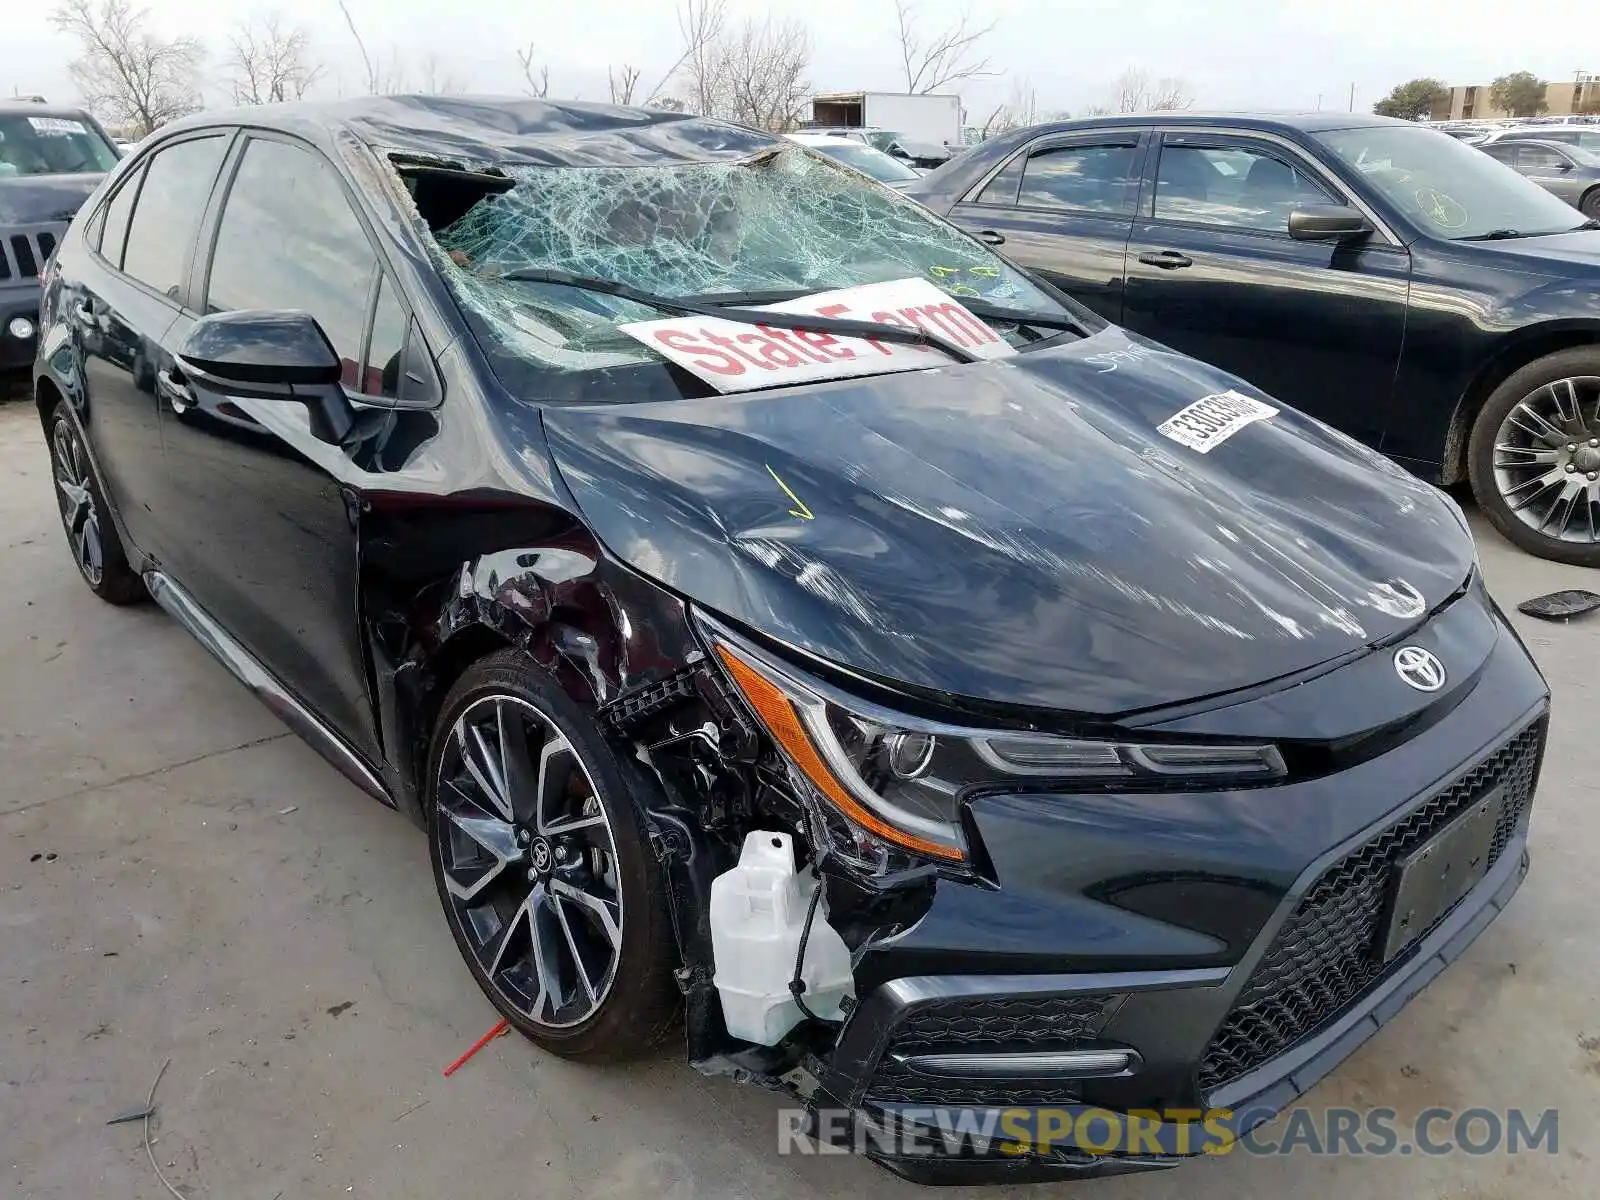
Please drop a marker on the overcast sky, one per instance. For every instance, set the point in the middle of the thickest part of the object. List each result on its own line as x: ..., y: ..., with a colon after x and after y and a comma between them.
x: 1232, y: 53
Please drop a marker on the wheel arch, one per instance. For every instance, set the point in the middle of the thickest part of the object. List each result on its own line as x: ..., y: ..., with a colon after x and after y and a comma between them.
x: 593, y: 627
x: 46, y: 398
x: 1510, y: 355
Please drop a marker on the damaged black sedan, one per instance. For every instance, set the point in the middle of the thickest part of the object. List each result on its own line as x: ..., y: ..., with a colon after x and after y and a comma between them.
x: 787, y: 618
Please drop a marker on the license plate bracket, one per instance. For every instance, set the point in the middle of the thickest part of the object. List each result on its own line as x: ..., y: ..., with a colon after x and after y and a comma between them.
x: 1426, y: 883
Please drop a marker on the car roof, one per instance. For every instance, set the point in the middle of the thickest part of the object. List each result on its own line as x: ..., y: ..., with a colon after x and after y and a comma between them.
x: 508, y: 130
x: 37, y: 108
x: 1287, y: 122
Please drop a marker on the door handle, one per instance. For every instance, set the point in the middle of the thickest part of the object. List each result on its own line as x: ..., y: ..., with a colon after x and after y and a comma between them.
x: 174, y: 390
x: 993, y: 236
x: 1167, y: 260
x: 84, y: 313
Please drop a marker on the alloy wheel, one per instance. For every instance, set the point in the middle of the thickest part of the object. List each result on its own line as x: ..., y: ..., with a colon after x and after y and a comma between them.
x: 529, y: 861
x: 1547, y: 460
x: 75, y: 495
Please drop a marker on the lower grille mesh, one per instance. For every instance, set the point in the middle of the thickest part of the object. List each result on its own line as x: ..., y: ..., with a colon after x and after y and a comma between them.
x: 1327, y: 954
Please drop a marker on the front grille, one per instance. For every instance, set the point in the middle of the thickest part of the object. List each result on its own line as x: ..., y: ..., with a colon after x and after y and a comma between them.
x: 977, y: 1024
x: 24, y: 253
x: 1327, y: 954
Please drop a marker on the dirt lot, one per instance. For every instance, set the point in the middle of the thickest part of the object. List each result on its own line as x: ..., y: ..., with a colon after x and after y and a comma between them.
x: 180, y: 877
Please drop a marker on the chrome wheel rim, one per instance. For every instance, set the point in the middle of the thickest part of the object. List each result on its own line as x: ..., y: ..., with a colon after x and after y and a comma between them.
x: 529, y: 862
x: 79, y: 515
x: 1547, y: 460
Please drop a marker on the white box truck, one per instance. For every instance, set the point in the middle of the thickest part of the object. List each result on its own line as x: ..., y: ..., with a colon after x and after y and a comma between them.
x: 934, y: 120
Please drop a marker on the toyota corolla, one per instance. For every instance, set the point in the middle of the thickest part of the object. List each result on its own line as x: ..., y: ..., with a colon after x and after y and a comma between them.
x: 791, y: 623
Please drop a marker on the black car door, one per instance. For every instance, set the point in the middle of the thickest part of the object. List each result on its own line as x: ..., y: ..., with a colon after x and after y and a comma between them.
x: 1212, y: 271
x: 1064, y: 206
x: 269, y: 513
x: 126, y: 299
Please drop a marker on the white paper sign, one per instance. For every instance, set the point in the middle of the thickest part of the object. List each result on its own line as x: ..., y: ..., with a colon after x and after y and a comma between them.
x: 1212, y: 420
x: 734, y: 357
x: 56, y: 126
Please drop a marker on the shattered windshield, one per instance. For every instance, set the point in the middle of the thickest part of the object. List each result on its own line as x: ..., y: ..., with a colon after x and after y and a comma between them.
x: 786, y: 221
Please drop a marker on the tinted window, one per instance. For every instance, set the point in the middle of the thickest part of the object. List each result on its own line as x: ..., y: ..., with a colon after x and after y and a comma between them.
x: 1096, y: 178
x: 389, y: 322
x: 114, y: 227
x: 176, y: 185
x: 289, y: 239
x: 1238, y: 186
x: 1505, y: 152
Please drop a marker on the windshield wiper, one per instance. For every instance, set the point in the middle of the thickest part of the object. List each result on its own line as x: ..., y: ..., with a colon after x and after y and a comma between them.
x: 978, y: 308
x: 1591, y: 224
x: 1494, y: 235
x: 905, y: 335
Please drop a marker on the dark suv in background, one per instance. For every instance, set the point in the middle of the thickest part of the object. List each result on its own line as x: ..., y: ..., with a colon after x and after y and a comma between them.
x: 51, y: 158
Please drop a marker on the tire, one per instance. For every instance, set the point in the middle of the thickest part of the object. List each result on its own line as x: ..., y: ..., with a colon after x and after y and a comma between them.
x: 1536, y: 425
x: 86, y: 518
x: 507, y: 887
x: 1589, y: 206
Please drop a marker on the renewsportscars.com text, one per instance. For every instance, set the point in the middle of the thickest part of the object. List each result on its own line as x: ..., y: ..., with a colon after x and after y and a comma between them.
x: 1378, y: 1132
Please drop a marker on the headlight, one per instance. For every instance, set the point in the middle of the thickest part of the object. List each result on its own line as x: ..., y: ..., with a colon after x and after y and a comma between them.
x: 899, y: 782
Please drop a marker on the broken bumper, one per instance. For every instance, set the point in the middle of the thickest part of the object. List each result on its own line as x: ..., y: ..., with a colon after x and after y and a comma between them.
x: 1204, y: 972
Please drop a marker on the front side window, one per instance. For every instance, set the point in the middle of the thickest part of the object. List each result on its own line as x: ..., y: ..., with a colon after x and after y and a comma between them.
x: 1088, y: 178
x: 289, y: 239
x: 780, y: 221
x: 166, y: 216
x: 1238, y: 186
x: 52, y: 145
x: 1448, y: 189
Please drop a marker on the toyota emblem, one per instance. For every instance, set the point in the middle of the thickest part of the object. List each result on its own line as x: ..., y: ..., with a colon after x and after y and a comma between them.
x: 1420, y: 668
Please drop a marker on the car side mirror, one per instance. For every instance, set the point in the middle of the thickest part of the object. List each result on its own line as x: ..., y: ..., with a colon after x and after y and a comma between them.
x: 1326, y: 223
x: 271, y: 355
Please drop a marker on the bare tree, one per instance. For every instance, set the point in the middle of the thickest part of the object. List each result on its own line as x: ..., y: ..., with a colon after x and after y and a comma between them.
x: 380, y: 79
x: 1019, y: 110
x: 437, y: 80
x: 622, y: 80
x: 123, y: 71
x: 538, y: 77
x: 268, y: 63
x: 701, y: 24
x: 1134, y: 91
x: 760, y: 74
x: 932, y: 61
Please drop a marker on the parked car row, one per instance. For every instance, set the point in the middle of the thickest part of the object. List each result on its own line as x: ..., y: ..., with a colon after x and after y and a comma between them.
x: 797, y: 625
x: 1400, y: 285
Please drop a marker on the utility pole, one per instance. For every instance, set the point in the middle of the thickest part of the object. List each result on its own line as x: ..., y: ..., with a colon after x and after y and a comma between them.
x: 1352, y: 97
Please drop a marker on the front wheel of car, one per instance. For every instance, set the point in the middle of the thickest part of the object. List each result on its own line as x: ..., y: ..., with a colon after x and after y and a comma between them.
x: 544, y: 867
x: 1534, y: 457
x: 91, y: 535
x: 1590, y: 204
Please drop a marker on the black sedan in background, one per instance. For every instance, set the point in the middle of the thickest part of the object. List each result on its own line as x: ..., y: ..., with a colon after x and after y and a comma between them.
x: 626, y: 496
x: 1569, y: 173
x: 1381, y: 276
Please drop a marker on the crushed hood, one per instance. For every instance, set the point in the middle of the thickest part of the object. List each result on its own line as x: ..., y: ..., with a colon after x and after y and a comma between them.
x: 1019, y: 532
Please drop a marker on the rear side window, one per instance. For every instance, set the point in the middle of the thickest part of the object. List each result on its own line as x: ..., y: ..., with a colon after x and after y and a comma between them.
x: 1537, y: 158
x: 114, y: 226
x: 1088, y: 178
x: 176, y: 185
x: 289, y: 239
